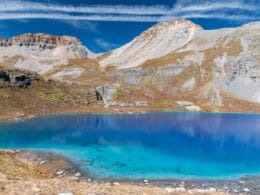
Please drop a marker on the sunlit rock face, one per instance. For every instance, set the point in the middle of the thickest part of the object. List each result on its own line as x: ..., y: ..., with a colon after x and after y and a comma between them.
x: 155, y: 42
x: 41, y: 52
x: 180, y: 58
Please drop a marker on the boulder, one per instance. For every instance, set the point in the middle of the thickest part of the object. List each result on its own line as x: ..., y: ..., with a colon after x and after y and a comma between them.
x: 108, y: 93
x: 66, y: 193
x: 4, y: 75
x: 2, y: 176
x: 184, y: 103
x: 24, y: 84
x: 193, y: 108
x: 188, y: 106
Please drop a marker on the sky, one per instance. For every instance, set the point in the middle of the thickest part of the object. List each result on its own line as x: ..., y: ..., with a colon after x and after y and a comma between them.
x: 104, y: 25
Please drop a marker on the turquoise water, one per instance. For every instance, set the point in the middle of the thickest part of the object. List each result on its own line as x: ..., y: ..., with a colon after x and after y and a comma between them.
x: 151, y: 146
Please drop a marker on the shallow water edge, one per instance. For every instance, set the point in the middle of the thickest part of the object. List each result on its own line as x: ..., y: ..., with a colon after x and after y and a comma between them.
x: 244, y: 185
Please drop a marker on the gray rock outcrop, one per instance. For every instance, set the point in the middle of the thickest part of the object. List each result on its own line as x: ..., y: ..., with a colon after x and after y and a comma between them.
x: 108, y: 93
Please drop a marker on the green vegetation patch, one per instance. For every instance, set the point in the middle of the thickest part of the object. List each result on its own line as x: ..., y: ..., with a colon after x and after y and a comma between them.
x: 54, y: 96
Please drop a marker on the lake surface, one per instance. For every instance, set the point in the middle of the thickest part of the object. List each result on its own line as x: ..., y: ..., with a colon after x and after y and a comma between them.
x: 151, y: 146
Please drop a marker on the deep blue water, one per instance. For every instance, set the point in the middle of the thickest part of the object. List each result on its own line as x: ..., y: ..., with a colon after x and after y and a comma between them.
x: 152, y: 146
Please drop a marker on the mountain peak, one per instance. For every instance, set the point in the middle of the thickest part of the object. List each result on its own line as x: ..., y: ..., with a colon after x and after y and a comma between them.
x: 155, y: 42
x: 169, y: 27
x: 41, y: 52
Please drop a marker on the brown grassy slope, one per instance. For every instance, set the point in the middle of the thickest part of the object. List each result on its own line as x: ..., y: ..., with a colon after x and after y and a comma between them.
x: 42, y: 98
x: 92, y: 74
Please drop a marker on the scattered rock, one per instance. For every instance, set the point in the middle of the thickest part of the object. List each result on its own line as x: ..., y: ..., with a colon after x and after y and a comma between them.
x: 179, y: 189
x: 212, y: 189
x: 42, y: 162
x: 2, y: 176
x: 169, y: 190
x: 8, y: 151
x: 189, y: 106
x: 193, y: 108
x: 116, y: 184
x: 73, y: 178
x: 66, y: 193
x: 246, y: 190
x: 24, y: 84
x: 20, y: 79
x: 189, y: 84
x: 4, y: 75
x: 184, y: 103
x: 108, y: 93
x: 78, y: 174
x: 60, y: 172
x: 35, y: 189
x: 48, y: 81
x: 141, y: 104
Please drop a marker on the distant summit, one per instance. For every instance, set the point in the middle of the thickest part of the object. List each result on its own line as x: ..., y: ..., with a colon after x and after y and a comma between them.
x: 40, y: 52
x: 40, y: 39
x: 155, y: 42
x: 167, y: 27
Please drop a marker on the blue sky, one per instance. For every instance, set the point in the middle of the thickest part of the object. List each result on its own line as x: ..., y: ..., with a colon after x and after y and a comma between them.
x: 104, y: 25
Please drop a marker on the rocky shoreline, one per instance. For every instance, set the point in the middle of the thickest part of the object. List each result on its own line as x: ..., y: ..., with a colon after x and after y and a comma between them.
x: 33, y: 172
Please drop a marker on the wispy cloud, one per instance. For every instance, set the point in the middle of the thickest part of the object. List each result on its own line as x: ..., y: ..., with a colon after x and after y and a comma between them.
x: 214, y: 6
x: 84, y: 25
x: 103, y: 9
x: 233, y: 10
x: 105, y: 44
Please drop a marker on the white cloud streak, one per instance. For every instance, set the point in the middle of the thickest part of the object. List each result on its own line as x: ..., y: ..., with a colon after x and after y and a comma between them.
x: 85, y: 25
x: 155, y: 13
x: 122, y: 18
x: 216, y: 6
x: 105, y: 44
x: 102, y: 9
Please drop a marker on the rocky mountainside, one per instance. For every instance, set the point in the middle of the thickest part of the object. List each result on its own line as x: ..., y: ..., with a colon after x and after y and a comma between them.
x: 41, y: 52
x: 182, y: 60
x: 155, y: 42
x: 174, y: 65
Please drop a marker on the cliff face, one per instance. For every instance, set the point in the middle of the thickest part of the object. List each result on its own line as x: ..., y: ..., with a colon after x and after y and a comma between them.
x: 39, y: 39
x: 41, y: 52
